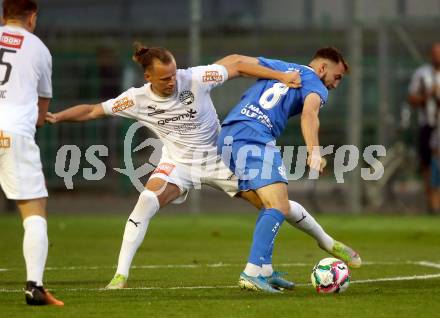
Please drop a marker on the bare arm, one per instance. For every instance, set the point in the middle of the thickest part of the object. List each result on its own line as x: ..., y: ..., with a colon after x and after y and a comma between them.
x: 235, y: 58
x: 310, y: 129
x: 43, y: 107
x: 83, y: 112
x: 240, y: 65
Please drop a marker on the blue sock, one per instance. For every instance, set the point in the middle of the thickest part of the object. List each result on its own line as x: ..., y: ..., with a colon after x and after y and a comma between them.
x: 265, y: 232
x: 268, y: 257
x: 260, y: 215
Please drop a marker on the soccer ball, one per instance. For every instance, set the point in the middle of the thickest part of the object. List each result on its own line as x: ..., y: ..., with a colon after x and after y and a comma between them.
x: 330, y: 275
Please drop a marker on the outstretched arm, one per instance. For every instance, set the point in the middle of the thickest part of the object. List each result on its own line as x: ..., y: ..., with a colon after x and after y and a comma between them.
x: 310, y: 129
x: 240, y: 65
x: 235, y: 58
x: 83, y: 112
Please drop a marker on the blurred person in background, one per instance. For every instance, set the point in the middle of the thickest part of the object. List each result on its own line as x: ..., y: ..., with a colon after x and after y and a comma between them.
x: 424, y: 95
x: 25, y: 93
x: 434, y: 176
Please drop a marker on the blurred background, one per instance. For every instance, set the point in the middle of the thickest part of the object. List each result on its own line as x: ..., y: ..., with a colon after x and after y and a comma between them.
x: 384, y: 41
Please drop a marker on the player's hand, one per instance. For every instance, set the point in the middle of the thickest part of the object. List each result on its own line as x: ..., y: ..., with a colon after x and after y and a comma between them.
x: 316, y: 162
x: 291, y: 79
x: 51, y: 118
x: 437, y: 92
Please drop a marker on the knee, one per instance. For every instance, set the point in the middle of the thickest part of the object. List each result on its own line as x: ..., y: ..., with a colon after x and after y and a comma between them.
x: 149, y: 198
x: 282, y: 206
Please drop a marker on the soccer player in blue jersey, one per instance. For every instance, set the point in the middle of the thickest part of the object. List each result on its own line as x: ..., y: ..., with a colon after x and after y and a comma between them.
x: 247, y: 145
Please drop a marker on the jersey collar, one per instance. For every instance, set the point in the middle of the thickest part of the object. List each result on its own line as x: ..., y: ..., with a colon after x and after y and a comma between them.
x: 306, y: 66
x: 156, y: 97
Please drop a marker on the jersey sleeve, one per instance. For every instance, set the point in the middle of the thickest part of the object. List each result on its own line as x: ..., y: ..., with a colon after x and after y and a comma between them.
x: 209, y: 76
x: 124, y: 105
x: 274, y: 64
x: 317, y: 88
x: 44, y: 87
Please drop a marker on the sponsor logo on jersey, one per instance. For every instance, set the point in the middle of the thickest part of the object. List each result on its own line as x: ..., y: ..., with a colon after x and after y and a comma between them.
x: 212, y: 77
x: 11, y: 40
x: 282, y: 171
x: 122, y: 104
x: 186, y: 97
x: 157, y: 112
x: 252, y: 111
x: 154, y: 111
x: 190, y: 114
x: 164, y: 168
x: 5, y: 142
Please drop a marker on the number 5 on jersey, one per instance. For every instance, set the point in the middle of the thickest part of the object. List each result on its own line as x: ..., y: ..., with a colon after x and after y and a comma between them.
x: 5, y: 66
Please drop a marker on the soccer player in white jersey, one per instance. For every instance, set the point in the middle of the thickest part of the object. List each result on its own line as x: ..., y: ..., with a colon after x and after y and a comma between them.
x: 176, y: 105
x: 25, y: 93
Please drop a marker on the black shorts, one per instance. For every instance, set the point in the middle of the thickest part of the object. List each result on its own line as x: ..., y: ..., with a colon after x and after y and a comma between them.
x: 425, y: 151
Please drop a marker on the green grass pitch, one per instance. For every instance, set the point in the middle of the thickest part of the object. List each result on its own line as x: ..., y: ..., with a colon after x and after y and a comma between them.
x: 188, y: 266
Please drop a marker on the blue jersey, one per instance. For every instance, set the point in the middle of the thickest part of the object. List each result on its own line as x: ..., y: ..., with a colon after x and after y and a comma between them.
x: 268, y: 104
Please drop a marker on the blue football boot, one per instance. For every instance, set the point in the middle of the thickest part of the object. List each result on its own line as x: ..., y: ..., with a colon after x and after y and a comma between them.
x: 277, y: 281
x: 258, y: 283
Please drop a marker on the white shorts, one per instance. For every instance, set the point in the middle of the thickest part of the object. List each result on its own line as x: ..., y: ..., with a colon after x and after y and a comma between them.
x: 186, y: 176
x: 21, y: 172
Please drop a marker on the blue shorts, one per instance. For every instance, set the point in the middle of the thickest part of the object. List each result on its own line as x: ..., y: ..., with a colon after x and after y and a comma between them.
x: 252, y: 156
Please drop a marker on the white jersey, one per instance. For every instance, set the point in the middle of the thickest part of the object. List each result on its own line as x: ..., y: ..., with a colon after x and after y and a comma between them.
x: 186, y: 122
x: 25, y: 74
x: 426, y: 78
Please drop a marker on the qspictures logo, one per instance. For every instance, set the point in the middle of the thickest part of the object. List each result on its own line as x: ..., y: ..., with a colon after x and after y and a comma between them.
x: 294, y: 161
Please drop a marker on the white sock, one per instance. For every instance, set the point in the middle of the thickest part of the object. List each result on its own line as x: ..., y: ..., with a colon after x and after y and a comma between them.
x: 301, y: 219
x: 135, y: 229
x: 252, y: 270
x: 35, y: 245
x: 266, y: 270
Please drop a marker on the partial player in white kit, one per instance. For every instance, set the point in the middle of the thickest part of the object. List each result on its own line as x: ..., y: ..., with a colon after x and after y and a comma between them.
x: 25, y: 93
x: 176, y: 105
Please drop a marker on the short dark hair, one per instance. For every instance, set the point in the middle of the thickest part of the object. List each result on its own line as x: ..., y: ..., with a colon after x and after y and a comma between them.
x: 332, y: 54
x: 145, y: 56
x: 18, y: 9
